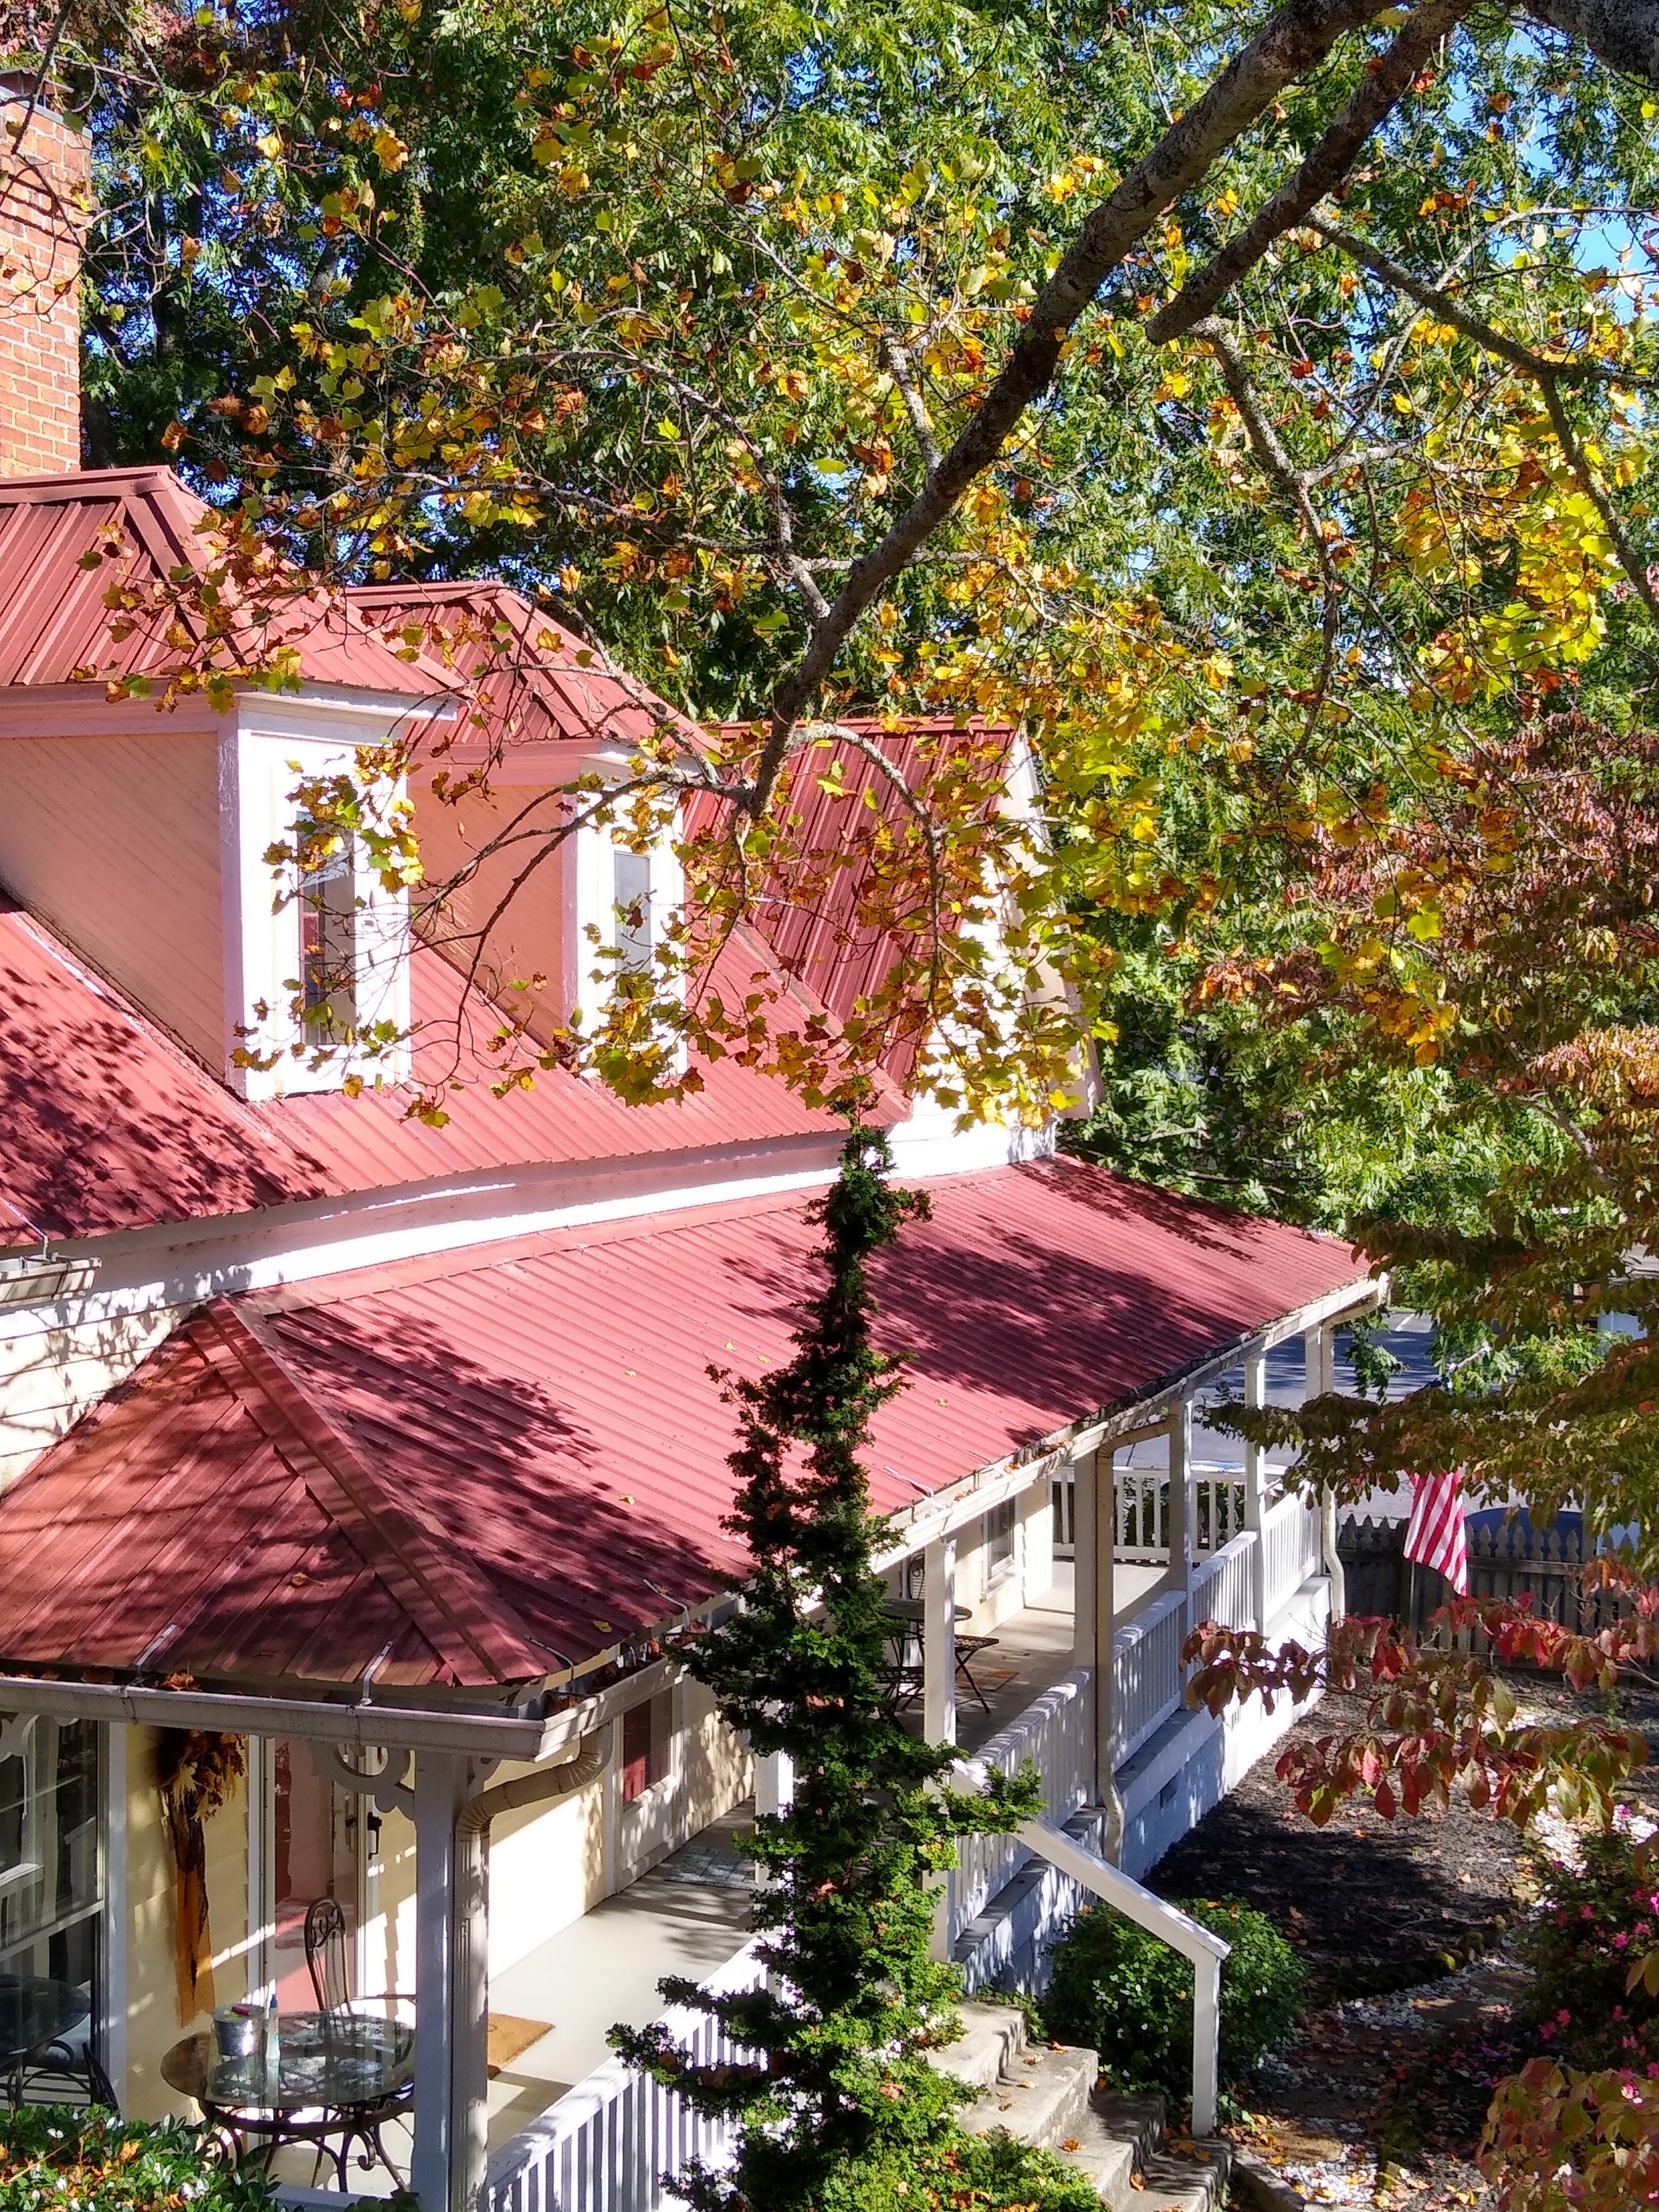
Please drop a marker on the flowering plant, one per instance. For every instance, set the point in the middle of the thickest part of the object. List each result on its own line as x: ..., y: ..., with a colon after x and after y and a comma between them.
x: 1596, y: 1919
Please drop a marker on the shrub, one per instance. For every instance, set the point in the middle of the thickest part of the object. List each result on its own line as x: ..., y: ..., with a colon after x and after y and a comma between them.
x: 1593, y: 1920
x: 54, y: 2158
x: 990, y: 2174
x: 1128, y: 1996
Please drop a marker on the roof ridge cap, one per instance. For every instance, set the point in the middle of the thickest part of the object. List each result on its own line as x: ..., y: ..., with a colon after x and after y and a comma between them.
x: 422, y: 1568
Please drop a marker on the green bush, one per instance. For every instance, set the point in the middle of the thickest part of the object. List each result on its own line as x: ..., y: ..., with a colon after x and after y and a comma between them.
x: 989, y: 2174
x: 1592, y: 1920
x: 54, y: 2158
x: 1128, y: 1996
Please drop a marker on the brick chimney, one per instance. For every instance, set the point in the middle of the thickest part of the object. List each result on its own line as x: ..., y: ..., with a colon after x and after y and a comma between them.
x: 44, y: 202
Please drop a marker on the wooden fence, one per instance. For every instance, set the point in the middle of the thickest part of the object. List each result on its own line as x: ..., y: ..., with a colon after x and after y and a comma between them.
x: 1506, y: 1561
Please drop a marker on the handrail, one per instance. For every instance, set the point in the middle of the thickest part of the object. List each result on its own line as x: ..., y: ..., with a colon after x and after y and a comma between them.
x: 1157, y: 1916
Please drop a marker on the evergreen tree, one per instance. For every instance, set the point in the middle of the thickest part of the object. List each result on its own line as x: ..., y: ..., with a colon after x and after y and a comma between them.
x: 835, y: 2101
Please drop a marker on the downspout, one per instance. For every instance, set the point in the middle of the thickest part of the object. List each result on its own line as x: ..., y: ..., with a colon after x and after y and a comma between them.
x: 469, y: 2116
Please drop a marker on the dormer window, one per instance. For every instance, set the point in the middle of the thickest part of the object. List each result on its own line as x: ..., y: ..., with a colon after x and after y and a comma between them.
x: 634, y: 918
x: 328, y: 934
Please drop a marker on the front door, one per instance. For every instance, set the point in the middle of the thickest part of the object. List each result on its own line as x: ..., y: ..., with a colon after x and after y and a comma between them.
x: 314, y: 1854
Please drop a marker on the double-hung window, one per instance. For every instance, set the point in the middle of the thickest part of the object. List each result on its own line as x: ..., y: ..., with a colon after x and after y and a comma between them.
x: 328, y: 934
x: 51, y: 1883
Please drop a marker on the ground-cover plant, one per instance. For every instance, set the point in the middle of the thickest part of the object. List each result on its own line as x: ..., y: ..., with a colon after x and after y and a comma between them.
x: 56, y: 2158
x: 1595, y: 1920
x: 1126, y: 1994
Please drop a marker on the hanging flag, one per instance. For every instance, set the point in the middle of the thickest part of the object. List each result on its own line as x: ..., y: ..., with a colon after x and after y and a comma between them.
x: 1434, y: 1536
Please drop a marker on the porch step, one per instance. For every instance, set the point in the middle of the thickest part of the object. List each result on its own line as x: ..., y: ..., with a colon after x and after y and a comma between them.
x: 1044, y: 2098
x: 1046, y: 2095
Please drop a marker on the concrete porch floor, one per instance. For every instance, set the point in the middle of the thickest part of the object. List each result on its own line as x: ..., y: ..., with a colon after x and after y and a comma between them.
x: 1033, y: 1650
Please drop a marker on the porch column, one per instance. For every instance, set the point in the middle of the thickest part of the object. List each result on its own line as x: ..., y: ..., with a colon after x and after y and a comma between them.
x: 1319, y: 1376
x: 440, y: 1792
x: 774, y: 1793
x: 1256, y: 1397
x: 1092, y: 1622
x: 939, y: 1641
x: 1183, y: 1516
x: 775, y: 1783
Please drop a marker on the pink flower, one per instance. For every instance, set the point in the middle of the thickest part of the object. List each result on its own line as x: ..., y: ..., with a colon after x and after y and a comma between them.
x: 1621, y: 1939
x: 1563, y: 2017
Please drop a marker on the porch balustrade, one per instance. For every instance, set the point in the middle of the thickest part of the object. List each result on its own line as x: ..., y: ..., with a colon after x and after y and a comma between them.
x: 1053, y: 1736
x: 606, y: 2144
x: 1141, y: 1513
x: 1290, y: 1536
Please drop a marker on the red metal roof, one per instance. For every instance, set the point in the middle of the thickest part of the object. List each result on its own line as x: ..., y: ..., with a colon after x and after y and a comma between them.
x: 106, y: 1124
x: 55, y: 626
x: 812, y: 912
x: 546, y: 698
x: 526, y: 1456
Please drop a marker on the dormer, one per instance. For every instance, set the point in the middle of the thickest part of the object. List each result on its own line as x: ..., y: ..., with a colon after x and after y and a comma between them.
x: 546, y: 906
x: 143, y: 835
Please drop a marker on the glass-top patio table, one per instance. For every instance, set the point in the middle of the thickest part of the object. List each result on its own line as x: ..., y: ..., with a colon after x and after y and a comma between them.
x: 335, y: 2073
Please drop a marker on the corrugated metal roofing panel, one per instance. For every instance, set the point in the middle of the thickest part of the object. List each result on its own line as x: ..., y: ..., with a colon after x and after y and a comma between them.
x: 107, y: 1124
x: 548, y: 1421
x: 55, y: 626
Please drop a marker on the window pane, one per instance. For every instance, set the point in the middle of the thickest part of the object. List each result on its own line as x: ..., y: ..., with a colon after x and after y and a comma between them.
x: 633, y: 897
x: 50, y: 1879
x: 328, y: 934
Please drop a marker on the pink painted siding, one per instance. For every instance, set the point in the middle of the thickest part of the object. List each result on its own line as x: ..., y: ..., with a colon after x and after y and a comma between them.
x: 532, y: 937
x: 114, y: 842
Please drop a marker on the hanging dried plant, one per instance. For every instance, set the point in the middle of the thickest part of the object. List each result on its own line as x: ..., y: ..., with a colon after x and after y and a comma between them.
x: 195, y: 1771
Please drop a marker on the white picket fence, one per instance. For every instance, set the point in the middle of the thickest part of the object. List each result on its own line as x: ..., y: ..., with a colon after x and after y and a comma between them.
x: 608, y: 2142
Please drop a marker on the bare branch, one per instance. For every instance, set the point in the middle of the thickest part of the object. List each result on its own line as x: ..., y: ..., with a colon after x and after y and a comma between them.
x: 898, y: 363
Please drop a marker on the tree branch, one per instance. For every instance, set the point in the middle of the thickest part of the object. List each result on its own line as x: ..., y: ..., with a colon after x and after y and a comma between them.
x: 1385, y: 82
x: 1294, y: 42
x: 1548, y: 375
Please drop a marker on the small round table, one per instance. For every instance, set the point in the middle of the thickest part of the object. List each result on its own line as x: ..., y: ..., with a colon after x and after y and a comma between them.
x: 34, y: 2013
x: 350, y: 2069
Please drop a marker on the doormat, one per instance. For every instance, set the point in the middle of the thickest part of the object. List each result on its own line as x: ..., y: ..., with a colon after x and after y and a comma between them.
x: 510, y: 2037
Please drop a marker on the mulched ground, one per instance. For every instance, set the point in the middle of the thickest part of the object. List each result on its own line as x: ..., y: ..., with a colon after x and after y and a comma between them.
x: 1403, y: 1926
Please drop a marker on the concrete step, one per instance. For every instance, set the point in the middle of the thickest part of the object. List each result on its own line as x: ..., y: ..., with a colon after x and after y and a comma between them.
x: 992, y: 2043
x: 1046, y: 2095
x: 1044, y: 2098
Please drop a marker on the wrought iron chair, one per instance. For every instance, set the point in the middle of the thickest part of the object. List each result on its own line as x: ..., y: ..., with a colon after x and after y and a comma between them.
x: 326, y: 1963
x: 67, y: 2060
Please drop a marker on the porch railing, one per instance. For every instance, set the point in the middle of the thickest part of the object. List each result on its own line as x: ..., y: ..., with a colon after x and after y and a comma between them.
x: 1140, y: 1512
x: 607, y: 2142
x: 1147, y: 1678
x: 1053, y: 1735
x: 1289, y: 1534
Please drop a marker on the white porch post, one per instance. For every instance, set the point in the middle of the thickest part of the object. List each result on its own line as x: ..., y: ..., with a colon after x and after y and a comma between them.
x: 775, y: 1783
x: 939, y: 1641
x: 1319, y: 1376
x: 1183, y: 1517
x: 1256, y: 1397
x: 440, y: 1791
x: 1092, y: 1622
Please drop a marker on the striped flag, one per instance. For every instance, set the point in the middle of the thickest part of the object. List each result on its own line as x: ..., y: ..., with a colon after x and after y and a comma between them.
x: 1434, y: 1536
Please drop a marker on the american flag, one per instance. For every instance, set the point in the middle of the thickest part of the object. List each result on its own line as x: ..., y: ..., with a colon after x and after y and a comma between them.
x: 1434, y: 1536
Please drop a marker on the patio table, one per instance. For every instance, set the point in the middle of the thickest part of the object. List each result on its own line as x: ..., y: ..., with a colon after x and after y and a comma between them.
x: 349, y: 2072
x: 34, y: 2013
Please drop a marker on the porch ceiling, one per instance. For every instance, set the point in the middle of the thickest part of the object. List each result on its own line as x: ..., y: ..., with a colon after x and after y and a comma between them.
x: 478, y: 1473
